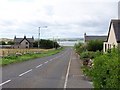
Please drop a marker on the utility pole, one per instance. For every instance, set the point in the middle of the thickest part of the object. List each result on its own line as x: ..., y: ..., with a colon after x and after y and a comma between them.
x: 53, y: 42
x: 38, y: 37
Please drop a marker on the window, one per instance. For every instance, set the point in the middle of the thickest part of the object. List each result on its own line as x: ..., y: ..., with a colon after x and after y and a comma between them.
x: 18, y: 46
x: 26, y: 42
x: 105, y: 47
x: 26, y: 46
x: 113, y: 46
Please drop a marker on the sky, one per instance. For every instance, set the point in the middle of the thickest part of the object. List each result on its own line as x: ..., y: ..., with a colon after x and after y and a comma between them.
x: 63, y: 18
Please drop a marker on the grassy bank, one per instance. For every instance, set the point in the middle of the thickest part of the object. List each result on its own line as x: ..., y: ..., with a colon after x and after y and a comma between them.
x: 15, y: 58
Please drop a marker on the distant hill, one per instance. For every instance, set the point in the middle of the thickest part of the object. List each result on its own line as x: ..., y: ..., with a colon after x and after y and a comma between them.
x: 5, y: 39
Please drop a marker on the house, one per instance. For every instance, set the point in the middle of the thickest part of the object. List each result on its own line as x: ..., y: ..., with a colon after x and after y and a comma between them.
x: 89, y: 38
x: 23, y: 42
x: 113, y: 38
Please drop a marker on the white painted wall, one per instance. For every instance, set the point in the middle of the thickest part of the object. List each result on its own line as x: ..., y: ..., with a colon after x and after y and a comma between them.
x: 111, y: 40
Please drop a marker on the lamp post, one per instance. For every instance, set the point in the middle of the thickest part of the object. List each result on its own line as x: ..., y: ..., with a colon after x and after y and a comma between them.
x: 39, y: 35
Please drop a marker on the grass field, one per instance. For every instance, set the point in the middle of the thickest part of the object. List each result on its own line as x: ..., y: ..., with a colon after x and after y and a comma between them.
x: 28, y: 56
x: 6, y: 52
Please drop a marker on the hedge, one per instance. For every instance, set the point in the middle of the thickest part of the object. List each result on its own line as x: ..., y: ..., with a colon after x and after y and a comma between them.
x: 106, y: 70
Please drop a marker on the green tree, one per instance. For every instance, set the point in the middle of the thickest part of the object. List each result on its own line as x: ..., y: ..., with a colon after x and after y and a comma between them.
x: 95, y: 45
x: 10, y: 43
x: 2, y: 43
x: 106, y: 70
x: 47, y: 44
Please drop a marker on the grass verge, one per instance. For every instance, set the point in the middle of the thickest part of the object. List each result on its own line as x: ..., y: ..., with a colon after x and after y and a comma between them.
x: 14, y: 59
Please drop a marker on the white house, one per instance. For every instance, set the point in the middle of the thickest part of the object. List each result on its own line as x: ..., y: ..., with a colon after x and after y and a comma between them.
x: 113, y: 38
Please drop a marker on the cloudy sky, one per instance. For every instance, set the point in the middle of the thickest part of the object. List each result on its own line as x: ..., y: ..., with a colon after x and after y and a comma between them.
x: 63, y: 18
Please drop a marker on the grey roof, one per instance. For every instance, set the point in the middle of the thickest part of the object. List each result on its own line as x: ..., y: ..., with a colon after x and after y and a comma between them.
x: 19, y: 40
x: 88, y: 38
x: 116, y: 26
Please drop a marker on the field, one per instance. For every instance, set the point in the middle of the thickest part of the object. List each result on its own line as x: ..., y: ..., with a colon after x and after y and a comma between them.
x: 28, y: 54
x: 6, y: 52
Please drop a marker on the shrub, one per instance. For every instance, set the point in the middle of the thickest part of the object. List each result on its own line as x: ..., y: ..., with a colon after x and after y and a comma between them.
x: 95, y: 45
x: 80, y: 47
x: 89, y: 55
x: 105, y: 72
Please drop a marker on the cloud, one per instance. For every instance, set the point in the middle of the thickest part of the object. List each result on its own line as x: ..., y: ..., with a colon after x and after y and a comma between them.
x: 64, y: 18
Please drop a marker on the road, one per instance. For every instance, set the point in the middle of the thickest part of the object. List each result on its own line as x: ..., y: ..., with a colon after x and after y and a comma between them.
x: 57, y: 71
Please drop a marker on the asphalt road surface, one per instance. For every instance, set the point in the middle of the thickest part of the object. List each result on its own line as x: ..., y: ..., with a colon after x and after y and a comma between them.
x: 57, y: 71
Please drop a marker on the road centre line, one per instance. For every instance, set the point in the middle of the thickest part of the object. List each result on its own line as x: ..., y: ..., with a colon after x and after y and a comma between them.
x: 5, y: 82
x: 39, y: 66
x: 25, y: 72
x: 68, y: 69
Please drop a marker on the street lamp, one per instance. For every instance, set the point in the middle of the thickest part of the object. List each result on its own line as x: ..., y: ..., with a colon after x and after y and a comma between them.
x: 39, y: 35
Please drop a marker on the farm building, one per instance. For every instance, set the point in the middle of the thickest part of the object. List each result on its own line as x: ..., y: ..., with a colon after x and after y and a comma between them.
x: 113, y: 38
x: 88, y: 38
x: 23, y: 42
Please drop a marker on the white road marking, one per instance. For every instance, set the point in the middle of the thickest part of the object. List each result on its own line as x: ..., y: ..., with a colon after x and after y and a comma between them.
x: 39, y: 66
x: 5, y: 82
x: 46, y: 62
x: 25, y: 72
x: 68, y: 69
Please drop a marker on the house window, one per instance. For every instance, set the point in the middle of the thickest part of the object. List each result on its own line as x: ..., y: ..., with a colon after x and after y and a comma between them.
x: 105, y: 47
x: 18, y: 46
x: 113, y: 46
x: 26, y: 46
x: 26, y: 42
x: 108, y: 46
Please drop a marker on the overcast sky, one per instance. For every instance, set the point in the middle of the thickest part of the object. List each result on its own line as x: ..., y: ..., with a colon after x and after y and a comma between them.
x: 64, y: 18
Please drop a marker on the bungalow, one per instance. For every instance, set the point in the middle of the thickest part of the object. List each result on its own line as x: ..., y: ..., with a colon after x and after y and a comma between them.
x: 113, y: 39
x: 23, y: 42
x: 89, y: 38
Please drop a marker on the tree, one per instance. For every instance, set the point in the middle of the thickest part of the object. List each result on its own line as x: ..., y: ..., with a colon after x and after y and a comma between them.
x: 10, y: 43
x: 2, y: 43
x: 95, y: 45
x: 47, y: 44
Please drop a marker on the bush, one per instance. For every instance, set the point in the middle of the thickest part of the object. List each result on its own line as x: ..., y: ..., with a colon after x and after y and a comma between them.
x: 80, y: 47
x: 89, y: 55
x: 105, y: 72
x: 95, y: 45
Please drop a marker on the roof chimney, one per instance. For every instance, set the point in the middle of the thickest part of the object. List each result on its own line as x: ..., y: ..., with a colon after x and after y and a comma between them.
x: 24, y: 37
x: 15, y: 37
x: 32, y: 37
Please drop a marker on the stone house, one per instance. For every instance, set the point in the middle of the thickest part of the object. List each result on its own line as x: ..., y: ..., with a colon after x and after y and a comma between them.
x: 23, y: 42
x: 113, y: 38
x: 88, y: 38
